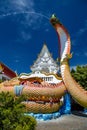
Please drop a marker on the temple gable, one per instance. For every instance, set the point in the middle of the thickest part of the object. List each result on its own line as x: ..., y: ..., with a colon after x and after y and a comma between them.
x: 45, y: 62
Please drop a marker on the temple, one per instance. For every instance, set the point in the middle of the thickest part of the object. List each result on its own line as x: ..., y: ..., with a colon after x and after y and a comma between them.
x: 6, y: 73
x: 45, y: 89
x: 45, y: 67
x: 45, y: 62
x: 47, y: 94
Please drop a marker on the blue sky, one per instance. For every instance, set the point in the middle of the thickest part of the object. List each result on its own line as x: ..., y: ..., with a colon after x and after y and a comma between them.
x: 25, y: 27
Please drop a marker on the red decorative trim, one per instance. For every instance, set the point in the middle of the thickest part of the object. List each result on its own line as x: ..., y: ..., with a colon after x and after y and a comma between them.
x: 7, y: 71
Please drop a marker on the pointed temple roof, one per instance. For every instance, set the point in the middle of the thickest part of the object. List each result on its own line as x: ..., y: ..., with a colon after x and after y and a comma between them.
x: 45, y: 62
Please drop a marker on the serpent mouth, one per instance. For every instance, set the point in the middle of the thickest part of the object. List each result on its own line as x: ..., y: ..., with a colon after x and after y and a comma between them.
x: 54, y: 20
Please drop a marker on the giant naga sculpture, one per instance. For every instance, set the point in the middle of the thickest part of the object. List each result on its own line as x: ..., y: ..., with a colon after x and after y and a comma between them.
x: 43, y: 97
x: 76, y: 91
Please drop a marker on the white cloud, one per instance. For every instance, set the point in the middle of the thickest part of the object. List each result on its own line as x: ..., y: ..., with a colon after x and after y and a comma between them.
x: 16, y: 5
x: 47, y: 30
x: 24, y: 36
x: 16, y: 61
x: 79, y: 35
x: 81, y: 54
x: 23, y: 5
x: 83, y: 29
x: 73, y: 67
x: 73, y: 42
x: 77, y: 54
x: 30, y: 18
x: 85, y: 54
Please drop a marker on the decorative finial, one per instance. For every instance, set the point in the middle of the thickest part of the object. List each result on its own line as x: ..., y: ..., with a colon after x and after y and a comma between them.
x: 53, y: 16
x: 54, y: 20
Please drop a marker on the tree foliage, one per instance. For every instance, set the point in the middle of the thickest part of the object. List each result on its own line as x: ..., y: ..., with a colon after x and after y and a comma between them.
x: 12, y: 114
x: 80, y: 75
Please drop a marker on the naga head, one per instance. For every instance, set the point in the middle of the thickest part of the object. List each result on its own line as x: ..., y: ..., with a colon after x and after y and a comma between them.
x: 64, y: 39
x: 54, y: 20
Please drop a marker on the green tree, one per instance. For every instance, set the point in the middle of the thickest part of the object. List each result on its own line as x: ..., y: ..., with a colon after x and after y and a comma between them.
x: 80, y: 75
x: 12, y: 114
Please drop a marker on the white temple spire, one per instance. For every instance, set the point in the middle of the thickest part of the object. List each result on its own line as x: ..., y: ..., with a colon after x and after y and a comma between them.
x: 45, y: 62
